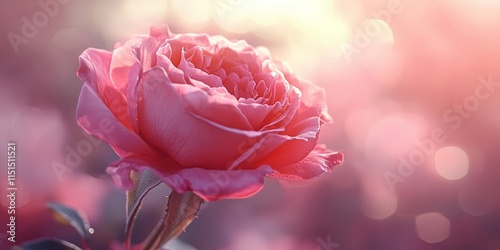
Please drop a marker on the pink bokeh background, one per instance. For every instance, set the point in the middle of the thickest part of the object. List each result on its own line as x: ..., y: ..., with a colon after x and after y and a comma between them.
x: 405, y: 83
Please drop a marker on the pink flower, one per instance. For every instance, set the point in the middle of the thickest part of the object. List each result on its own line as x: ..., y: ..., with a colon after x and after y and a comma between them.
x: 208, y: 115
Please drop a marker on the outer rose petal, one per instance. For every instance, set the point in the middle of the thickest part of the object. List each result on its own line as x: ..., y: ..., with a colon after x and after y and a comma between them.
x: 96, y: 119
x: 120, y: 169
x: 319, y: 161
x: 130, y: 60
x: 211, y: 185
x: 94, y: 71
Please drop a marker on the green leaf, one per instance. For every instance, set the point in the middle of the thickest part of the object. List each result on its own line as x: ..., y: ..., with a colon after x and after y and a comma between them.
x: 47, y: 243
x: 72, y: 217
x: 144, y: 181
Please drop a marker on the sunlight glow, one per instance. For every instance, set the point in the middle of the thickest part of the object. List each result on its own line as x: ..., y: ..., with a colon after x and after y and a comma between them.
x: 148, y: 10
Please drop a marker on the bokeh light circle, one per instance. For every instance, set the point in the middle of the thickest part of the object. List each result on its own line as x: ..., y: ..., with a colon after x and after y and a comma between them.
x: 432, y: 227
x: 452, y: 163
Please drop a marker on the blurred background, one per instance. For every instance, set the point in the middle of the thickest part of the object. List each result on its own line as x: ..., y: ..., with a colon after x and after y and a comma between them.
x: 413, y: 87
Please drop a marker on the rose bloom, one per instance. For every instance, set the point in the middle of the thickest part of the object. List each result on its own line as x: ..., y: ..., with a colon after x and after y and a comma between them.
x: 206, y: 114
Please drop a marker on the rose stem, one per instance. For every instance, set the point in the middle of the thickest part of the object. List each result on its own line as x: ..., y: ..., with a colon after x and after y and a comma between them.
x: 181, y: 211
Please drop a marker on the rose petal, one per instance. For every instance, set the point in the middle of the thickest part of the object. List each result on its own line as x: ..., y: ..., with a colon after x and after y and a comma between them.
x: 212, y: 185
x: 94, y: 68
x: 166, y: 119
x: 96, y: 119
x: 122, y: 61
x: 319, y: 161
x: 185, y: 42
x: 204, y: 80
x: 313, y: 96
x: 127, y: 64
x: 278, y: 150
x: 160, y: 32
x: 288, y: 111
x: 94, y: 72
x: 163, y: 56
x: 257, y: 114
x: 125, y: 72
x: 218, y: 108
x: 120, y: 170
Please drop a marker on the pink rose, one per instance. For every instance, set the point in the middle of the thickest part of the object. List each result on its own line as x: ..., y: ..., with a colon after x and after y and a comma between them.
x: 208, y: 115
